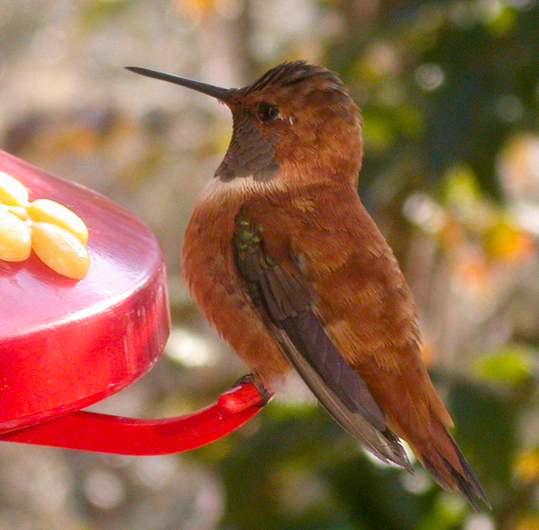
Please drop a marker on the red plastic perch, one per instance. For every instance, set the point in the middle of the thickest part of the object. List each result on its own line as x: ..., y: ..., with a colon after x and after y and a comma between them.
x: 103, y: 433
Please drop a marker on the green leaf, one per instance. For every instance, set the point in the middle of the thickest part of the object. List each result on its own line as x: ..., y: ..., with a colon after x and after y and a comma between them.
x: 511, y: 366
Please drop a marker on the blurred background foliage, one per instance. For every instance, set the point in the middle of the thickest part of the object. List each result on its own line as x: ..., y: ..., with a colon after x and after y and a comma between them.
x: 450, y: 96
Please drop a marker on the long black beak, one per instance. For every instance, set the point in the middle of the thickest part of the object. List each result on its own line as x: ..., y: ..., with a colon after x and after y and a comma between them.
x: 222, y: 94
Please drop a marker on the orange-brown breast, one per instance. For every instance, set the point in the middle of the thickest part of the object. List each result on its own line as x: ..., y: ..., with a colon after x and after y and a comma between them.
x: 209, y: 270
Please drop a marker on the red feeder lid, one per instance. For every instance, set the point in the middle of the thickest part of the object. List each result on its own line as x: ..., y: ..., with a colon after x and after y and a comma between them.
x: 65, y: 344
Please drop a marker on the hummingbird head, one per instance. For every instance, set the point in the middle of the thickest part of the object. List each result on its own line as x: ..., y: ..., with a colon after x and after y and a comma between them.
x: 295, y: 119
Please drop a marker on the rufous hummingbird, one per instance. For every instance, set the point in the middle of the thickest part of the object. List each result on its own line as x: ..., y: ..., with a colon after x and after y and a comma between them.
x: 286, y: 263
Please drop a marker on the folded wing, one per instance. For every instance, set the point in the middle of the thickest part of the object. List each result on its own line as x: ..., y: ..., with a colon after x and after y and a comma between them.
x: 283, y: 297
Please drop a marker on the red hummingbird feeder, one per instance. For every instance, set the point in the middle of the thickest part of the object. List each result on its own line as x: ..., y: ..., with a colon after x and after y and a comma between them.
x: 66, y: 344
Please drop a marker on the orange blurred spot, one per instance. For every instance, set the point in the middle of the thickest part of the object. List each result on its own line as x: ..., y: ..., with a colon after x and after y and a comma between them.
x: 509, y: 244
x: 196, y: 8
x: 527, y: 467
x: 472, y: 267
x: 527, y: 522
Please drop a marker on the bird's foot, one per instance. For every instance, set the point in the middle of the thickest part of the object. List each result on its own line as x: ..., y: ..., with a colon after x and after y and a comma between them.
x: 250, y: 378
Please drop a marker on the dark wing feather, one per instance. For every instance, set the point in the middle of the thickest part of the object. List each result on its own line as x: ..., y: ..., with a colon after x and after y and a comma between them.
x: 286, y: 303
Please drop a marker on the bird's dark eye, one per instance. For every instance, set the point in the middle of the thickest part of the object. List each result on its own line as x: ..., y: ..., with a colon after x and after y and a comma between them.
x: 267, y: 112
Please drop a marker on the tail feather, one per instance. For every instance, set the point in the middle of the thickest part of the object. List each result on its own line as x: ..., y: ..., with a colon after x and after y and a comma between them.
x: 441, y: 456
x: 418, y: 415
